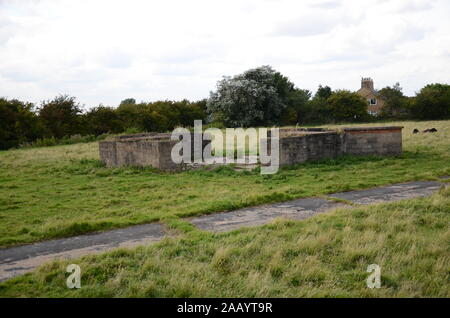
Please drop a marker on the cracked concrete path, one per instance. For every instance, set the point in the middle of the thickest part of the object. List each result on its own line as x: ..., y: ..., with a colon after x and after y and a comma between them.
x: 297, y: 209
x: 304, y: 208
x: 390, y: 193
x: 21, y: 259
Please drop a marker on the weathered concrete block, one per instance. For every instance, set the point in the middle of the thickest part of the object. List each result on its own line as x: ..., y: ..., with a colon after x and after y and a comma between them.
x: 108, y: 153
x: 381, y: 141
x: 311, y: 146
x: 295, y: 146
x: 142, y: 150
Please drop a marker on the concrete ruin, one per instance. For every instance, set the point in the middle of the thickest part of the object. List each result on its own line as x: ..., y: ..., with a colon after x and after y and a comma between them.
x: 296, y: 145
x: 143, y: 150
x: 300, y: 145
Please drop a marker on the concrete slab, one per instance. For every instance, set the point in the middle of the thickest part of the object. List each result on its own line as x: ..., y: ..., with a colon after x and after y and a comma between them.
x: 21, y: 259
x: 390, y: 193
x: 296, y: 209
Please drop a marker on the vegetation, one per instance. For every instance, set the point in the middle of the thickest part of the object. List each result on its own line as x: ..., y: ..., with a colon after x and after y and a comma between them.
x: 396, y: 103
x: 348, y: 106
x: 432, y: 102
x: 62, y: 119
x: 62, y: 191
x: 61, y: 116
x: 258, y: 97
x: 18, y: 123
x: 325, y: 256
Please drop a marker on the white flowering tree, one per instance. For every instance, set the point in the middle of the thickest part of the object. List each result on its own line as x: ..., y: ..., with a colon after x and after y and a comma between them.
x: 255, y: 98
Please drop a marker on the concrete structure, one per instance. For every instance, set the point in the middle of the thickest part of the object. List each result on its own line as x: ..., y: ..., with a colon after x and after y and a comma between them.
x: 367, y: 90
x: 300, y: 145
x: 142, y: 150
x: 296, y: 145
x: 379, y: 141
x: 308, y: 146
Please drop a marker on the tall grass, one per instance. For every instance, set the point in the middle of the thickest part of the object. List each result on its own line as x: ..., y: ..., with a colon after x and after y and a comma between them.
x: 68, y: 140
x: 65, y: 190
x: 325, y: 256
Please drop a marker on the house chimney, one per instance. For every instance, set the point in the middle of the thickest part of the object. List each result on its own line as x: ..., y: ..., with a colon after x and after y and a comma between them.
x: 367, y: 82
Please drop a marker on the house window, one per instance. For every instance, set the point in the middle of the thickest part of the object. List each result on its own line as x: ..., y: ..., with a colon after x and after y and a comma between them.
x: 373, y: 101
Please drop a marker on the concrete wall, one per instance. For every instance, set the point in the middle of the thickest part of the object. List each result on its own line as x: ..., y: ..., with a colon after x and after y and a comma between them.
x: 382, y: 141
x: 300, y: 146
x: 108, y: 153
x: 141, y: 135
x: 295, y: 145
x: 138, y: 153
x: 142, y: 150
x: 296, y: 149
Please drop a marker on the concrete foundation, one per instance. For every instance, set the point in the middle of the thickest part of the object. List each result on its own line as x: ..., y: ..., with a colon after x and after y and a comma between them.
x: 143, y: 150
x: 309, y: 147
x: 296, y: 145
x: 300, y: 145
x: 381, y: 141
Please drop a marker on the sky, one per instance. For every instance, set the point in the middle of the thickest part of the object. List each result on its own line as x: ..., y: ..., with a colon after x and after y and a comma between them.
x: 104, y: 51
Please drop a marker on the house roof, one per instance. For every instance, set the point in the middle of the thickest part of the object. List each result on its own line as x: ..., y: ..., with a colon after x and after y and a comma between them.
x: 367, y: 93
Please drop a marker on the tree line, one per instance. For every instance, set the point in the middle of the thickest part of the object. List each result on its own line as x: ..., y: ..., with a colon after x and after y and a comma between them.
x: 257, y: 97
x: 263, y: 96
x: 63, y: 119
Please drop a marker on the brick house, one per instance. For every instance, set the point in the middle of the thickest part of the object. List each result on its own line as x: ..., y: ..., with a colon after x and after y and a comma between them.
x: 367, y: 91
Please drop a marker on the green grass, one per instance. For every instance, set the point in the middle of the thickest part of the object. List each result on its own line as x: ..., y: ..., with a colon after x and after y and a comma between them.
x: 324, y: 256
x: 65, y: 190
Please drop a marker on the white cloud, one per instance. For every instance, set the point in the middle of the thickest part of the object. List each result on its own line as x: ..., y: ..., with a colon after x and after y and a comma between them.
x: 104, y: 51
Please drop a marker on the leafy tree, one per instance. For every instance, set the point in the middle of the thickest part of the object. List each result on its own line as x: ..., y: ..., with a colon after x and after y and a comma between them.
x: 257, y: 97
x: 432, y: 102
x: 317, y: 111
x: 169, y: 112
x: 154, y: 121
x: 102, y: 120
x: 347, y: 106
x: 323, y: 92
x: 191, y: 111
x: 160, y: 115
x: 296, y: 109
x: 396, y: 104
x: 18, y: 123
x: 61, y: 116
x: 131, y: 115
x: 128, y: 101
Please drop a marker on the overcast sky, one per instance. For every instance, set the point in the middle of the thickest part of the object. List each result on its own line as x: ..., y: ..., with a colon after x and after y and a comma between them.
x: 106, y: 51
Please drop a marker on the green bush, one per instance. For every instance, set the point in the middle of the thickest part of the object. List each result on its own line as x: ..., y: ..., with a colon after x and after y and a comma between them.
x: 348, y: 106
x: 18, y: 123
x: 432, y: 102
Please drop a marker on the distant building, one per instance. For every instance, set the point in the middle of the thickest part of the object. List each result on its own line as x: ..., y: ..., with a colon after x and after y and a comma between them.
x: 367, y: 91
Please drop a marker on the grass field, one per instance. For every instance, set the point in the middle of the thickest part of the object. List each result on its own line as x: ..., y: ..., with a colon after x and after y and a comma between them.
x: 325, y: 256
x: 64, y: 190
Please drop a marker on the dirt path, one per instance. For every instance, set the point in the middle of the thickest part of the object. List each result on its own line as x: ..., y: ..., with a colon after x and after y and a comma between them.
x: 19, y: 260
